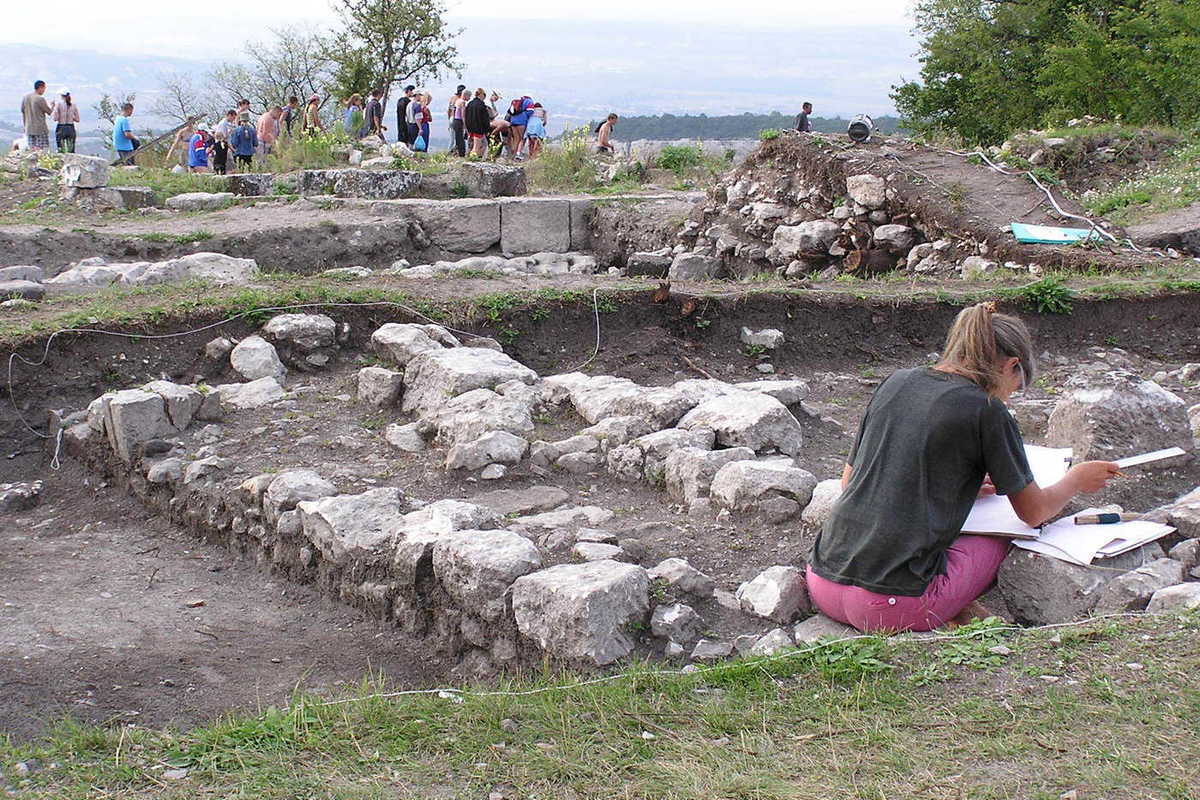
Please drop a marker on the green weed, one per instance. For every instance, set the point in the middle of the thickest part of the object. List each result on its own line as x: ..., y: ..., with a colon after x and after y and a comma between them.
x: 1047, y: 296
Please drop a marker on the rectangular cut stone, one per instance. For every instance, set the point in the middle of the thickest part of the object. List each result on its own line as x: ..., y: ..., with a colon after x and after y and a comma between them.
x: 535, y: 225
x: 467, y: 225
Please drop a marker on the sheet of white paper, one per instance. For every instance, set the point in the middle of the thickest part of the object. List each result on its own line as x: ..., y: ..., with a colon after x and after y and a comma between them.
x: 995, y: 514
x: 1082, y: 544
x: 1147, y: 458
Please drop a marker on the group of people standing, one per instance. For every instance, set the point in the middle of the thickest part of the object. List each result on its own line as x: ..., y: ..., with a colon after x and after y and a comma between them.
x: 475, y: 123
x: 64, y: 113
x: 206, y: 148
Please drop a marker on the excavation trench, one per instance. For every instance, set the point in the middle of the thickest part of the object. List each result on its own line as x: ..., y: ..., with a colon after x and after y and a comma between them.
x: 270, y: 597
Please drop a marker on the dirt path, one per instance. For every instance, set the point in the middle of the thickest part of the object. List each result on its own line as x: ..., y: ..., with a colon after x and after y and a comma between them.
x: 106, y: 613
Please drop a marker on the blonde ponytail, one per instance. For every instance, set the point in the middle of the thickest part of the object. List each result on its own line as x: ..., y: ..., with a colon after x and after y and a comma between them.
x: 980, y: 339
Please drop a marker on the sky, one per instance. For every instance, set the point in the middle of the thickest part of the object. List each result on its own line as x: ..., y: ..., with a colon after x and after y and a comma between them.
x: 175, y: 29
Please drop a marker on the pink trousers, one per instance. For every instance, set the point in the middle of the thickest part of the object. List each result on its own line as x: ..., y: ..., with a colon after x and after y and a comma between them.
x: 971, y: 566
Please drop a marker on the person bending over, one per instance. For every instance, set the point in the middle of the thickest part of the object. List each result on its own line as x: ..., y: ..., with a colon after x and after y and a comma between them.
x: 892, y: 556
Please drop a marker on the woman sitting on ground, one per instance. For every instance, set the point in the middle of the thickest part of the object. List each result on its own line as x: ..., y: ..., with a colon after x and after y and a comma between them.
x: 892, y: 556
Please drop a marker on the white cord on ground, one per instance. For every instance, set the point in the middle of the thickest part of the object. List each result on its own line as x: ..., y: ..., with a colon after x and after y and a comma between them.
x: 596, y: 349
x: 1029, y: 174
x: 458, y: 693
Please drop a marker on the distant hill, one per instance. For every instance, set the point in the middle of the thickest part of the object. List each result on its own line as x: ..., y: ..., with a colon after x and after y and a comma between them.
x: 733, y: 126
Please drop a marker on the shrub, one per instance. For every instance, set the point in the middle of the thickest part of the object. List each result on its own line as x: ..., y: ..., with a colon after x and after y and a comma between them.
x: 678, y: 158
x: 767, y: 134
x: 1047, y: 296
x: 567, y: 167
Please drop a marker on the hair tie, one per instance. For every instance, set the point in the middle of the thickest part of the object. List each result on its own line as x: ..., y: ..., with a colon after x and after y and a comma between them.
x: 989, y: 306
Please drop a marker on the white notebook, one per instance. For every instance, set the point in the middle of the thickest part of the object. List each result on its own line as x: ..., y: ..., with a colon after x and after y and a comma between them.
x: 994, y: 515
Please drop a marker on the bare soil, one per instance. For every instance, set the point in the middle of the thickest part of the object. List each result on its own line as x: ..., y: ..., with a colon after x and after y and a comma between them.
x: 109, y: 614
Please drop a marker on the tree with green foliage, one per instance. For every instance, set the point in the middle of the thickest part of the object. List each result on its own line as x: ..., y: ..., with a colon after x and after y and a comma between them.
x: 383, y: 42
x: 992, y: 67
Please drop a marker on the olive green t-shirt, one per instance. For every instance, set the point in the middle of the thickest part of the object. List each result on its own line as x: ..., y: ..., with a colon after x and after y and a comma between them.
x: 34, y: 109
x: 926, y: 442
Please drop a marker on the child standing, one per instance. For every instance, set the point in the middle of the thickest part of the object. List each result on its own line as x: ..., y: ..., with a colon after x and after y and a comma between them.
x: 198, y: 149
x: 535, y: 133
x: 219, y: 149
x: 243, y: 142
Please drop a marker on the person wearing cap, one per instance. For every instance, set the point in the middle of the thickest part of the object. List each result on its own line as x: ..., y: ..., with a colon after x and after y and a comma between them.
x: 65, y: 115
x: 198, y: 149
x: 310, y: 123
x: 244, y: 142
x: 34, y: 110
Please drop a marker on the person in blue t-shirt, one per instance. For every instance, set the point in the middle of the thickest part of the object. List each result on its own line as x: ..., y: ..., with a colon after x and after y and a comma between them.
x: 243, y: 142
x: 198, y: 149
x: 123, y: 140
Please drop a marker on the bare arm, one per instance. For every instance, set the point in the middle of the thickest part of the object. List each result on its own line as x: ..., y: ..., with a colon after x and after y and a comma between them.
x: 847, y: 471
x: 1034, y: 504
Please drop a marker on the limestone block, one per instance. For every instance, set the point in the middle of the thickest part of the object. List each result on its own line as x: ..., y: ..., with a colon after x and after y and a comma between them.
x: 419, y: 530
x: 292, y: 487
x: 254, y: 394
x: 85, y: 172
x: 694, y: 267
x: 681, y: 575
x: 582, y: 611
x: 825, y: 495
x: 754, y: 420
x: 406, y: 437
x: 867, y: 190
x: 769, y: 338
x: 1125, y: 416
x: 379, y: 387
x: 434, y: 376
x: 808, y: 239
x: 216, y: 268
x: 461, y: 226
x: 1040, y: 590
x: 689, y: 471
x: 476, y: 568
x: 743, y: 485
x: 474, y: 413
x: 778, y: 593
x: 1133, y: 590
x: 254, y: 357
x: 773, y: 642
x: 485, y: 179
x: 402, y: 342
x: 200, y: 201
x: 302, y: 332
x: 352, y: 528
x: 1182, y: 597
x: 677, y: 623
x: 22, y: 273
x: 132, y: 416
x: 495, y: 447
x: 534, y: 225
x: 645, y: 457
x: 181, y: 402
x: 818, y: 627
x: 24, y: 290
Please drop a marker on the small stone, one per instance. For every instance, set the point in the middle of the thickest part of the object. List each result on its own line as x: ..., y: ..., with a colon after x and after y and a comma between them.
x: 681, y: 575
x: 676, y: 622
x: 405, y: 437
x: 768, y: 338
x: 493, y: 472
x: 1183, y: 597
x: 595, y: 551
x: 708, y: 650
x: 772, y: 643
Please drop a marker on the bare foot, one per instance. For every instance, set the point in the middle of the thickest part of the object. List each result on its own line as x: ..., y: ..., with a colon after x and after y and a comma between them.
x: 974, y: 610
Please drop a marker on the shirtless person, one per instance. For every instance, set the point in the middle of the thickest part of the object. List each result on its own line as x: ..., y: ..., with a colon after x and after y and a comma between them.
x: 604, y: 135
